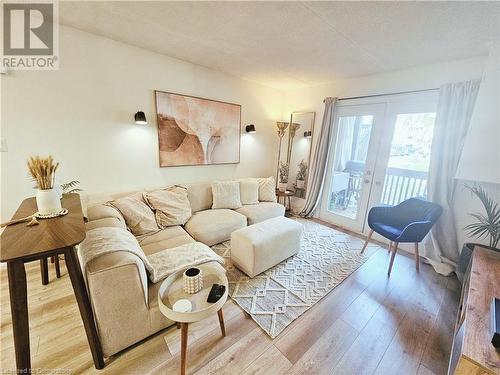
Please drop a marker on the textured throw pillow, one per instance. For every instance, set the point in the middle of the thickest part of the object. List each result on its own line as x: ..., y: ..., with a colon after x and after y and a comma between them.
x: 226, y: 194
x: 249, y: 191
x: 267, y: 189
x: 139, y: 217
x: 171, y: 206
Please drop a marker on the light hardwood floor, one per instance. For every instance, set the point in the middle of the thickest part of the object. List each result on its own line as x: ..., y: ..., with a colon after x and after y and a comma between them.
x: 370, y: 324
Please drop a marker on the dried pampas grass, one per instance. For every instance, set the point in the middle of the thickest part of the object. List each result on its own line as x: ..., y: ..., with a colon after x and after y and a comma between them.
x: 43, y: 171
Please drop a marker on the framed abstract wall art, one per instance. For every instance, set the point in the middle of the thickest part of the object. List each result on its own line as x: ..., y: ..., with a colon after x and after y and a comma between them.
x: 197, y: 131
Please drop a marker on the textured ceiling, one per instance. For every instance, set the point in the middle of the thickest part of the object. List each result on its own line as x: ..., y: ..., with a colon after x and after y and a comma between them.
x: 295, y: 44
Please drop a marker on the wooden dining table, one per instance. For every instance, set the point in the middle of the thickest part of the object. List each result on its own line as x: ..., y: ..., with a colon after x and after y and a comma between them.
x: 20, y: 244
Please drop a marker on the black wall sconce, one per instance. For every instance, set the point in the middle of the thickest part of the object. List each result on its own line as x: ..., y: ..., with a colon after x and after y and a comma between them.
x: 250, y: 128
x: 308, y: 134
x: 140, y: 118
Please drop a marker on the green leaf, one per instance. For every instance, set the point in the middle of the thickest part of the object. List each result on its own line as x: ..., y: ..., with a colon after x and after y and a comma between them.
x: 488, y: 224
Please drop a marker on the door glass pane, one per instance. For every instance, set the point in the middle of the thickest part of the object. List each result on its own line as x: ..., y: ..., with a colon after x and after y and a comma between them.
x: 408, y: 167
x: 351, y: 150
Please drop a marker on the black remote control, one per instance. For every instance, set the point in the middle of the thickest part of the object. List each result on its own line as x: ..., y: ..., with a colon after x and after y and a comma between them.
x: 216, y: 293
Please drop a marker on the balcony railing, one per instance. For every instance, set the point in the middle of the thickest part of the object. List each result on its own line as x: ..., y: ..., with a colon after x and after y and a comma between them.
x: 401, y: 184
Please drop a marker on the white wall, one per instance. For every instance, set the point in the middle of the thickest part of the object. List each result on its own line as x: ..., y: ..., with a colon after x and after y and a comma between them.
x: 431, y: 76
x: 83, y: 113
x: 481, y: 157
x: 424, y: 77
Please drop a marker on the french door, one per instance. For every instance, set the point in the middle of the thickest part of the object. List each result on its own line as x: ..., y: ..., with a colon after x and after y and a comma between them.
x: 351, y: 164
x: 380, y: 154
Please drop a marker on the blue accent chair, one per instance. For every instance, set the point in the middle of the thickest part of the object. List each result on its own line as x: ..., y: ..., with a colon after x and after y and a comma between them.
x: 409, y: 221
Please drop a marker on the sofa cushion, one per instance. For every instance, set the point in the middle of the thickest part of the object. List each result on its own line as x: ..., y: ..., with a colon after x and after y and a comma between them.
x: 214, y: 226
x: 267, y: 189
x: 101, y: 211
x: 138, y: 215
x: 167, y: 238
x: 226, y: 194
x: 200, y: 196
x: 256, y: 213
x: 249, y: 191
x: 171, y: 206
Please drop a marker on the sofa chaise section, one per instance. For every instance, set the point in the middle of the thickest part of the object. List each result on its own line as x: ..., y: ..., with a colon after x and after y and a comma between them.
x: 214, y: 226
x: 255, y: 213
x: 164, y: 239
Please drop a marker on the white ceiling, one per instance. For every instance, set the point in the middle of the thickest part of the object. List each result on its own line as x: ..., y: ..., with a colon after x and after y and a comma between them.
x: 295, y: 44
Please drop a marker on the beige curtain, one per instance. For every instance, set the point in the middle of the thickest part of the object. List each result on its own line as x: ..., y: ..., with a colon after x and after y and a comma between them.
x: 454, y: 112
x: 319, y: 162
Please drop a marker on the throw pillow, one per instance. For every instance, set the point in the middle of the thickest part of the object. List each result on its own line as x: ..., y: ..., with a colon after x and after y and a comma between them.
x: 267, y: 189
x: 226, y: 194
x: 249, y: 191
x: 171, y: 206
x: 139, y: 218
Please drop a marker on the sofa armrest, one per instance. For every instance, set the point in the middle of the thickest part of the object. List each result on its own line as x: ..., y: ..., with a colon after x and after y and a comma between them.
x: 111, y: 262
x: 117, y: 284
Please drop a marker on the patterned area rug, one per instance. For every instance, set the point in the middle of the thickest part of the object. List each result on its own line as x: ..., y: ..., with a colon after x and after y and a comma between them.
x: 277, y: 297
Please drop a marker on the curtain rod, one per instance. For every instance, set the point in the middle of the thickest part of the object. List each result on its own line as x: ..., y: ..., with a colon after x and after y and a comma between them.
x: 392, y: 93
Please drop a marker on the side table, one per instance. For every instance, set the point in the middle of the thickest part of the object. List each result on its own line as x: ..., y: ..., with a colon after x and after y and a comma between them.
x: 172, y: 290
x: 286, y: 198
x: 20, y: 244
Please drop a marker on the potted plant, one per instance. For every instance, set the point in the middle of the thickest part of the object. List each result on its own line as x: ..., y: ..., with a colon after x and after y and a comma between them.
x: 70, y: 187
x: 43, y: 172
x: 486, y: 226
x: 283, y: 176
x: 301, y: 174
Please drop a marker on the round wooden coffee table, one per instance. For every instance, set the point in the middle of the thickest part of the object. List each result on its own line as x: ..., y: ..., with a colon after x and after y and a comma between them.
x: 172, y: 290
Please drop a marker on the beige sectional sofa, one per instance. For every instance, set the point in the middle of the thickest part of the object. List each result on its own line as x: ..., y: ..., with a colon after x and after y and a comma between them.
x: 123, y: 299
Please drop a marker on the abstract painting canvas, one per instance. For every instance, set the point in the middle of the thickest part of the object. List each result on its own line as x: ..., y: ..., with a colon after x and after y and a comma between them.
x: 197, y: 131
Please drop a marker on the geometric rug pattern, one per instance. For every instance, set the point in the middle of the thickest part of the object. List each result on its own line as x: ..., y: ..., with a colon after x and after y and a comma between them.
x: 278, y: 296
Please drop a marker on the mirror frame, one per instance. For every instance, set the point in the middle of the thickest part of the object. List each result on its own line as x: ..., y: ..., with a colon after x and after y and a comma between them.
x: 289, y: 148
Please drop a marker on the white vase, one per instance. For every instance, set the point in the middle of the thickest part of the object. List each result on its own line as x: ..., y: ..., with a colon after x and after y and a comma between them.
x: 300, y: 184
x: 48, y: 201
x: 282, y: 186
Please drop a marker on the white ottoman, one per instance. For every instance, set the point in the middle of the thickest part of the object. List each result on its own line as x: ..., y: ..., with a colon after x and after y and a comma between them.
x: 260, y: 246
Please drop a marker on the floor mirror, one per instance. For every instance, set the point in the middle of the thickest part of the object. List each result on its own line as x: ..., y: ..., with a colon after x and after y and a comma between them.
x: 300, y: 135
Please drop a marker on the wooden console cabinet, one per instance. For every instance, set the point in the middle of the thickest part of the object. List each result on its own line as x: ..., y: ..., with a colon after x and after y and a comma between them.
x: 472, y: 352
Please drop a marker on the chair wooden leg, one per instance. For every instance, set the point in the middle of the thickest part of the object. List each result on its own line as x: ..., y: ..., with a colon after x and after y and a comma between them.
x: 417, y: 262
x: 393, y: 255
x: 367, y: 240
x: 390, y: 247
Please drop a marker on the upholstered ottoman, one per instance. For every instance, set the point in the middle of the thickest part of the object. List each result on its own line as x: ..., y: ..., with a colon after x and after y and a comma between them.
x: 260, y: 246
